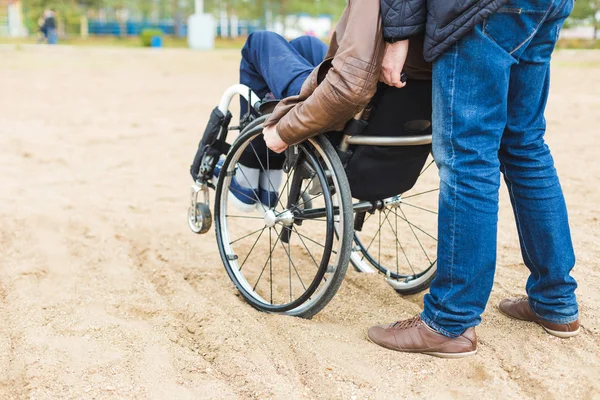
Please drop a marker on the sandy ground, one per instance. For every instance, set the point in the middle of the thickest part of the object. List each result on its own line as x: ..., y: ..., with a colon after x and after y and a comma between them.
x: 104, y: 292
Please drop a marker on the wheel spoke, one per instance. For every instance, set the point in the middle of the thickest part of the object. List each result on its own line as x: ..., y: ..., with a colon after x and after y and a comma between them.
x: 420, y: 208
x: 250, y: 234
x: 311, y: 240
x: 269, y: 199
x: 253, y: 191
x: 310, y: 219
x: 292, y: 262
x: 309, y: 253
x: 422, y: 193
x: 401, y: 247
x: 268, y: 176
x: 379, y: 251
x: 245, y: 217
x: 252, y: 248
x: 266, y: 263
x: 427, y: 167
x: 245, y: 195
x: 307, y: 186
x: 397, y: 262
x: 271, y: 262
x: 416, y: 237
x: 415, y: 226
x: 290, y: 268
x: 372, y: 240
x: 309, y: 200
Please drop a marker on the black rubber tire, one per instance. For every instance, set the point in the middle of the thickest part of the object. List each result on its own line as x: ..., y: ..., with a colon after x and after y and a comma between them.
x: 419, y: 288
x: 345, y: 233
x: 345, y: 238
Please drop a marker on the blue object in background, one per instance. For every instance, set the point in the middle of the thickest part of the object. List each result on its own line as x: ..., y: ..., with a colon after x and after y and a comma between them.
x: 156, y: 41
x: 134, y: 28
x: 52, y: 36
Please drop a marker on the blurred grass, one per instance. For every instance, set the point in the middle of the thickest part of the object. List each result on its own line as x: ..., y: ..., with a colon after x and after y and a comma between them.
x: 577, y: 64
x: 111, y: 41
x: 587, y: 44
x: 229, y: 44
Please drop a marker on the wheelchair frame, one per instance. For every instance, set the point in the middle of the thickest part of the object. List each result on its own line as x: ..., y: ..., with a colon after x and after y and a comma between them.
x: 199, y: 215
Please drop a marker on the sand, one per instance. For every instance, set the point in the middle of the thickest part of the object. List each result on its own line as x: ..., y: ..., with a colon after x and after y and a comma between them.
x: 104, y: 292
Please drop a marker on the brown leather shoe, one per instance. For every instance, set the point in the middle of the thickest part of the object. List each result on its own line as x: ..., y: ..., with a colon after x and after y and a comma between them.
x: 415, y: 336
x: 518, y: 308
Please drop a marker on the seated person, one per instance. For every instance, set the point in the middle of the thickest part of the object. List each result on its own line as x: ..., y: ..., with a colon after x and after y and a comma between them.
x: 321, y: 97
x: 274, y: 69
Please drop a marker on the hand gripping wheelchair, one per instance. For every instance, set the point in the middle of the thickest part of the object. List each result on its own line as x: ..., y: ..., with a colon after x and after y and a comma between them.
x: 341, y: 197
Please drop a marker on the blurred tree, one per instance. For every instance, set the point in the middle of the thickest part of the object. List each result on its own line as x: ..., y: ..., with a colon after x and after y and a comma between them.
x: 70, y: 11
x: 257, y: 8
x: 93, y: 4
x: 588, y: 11
x: 146, y: 7
x: 121, y: 8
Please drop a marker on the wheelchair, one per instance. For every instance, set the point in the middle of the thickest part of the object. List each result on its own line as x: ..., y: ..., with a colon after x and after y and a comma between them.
x: 341, y: 199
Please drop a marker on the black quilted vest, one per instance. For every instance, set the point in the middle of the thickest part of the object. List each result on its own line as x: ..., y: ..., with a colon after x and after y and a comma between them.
x: 444, y: 21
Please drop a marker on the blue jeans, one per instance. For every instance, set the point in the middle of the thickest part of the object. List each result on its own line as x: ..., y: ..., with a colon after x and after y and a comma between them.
x: 52, y: 36
x: 489, y: 96
x: 272, y: 65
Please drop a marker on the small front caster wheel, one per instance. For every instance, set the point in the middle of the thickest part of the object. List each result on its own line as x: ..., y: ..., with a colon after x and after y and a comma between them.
x: 201, y: 222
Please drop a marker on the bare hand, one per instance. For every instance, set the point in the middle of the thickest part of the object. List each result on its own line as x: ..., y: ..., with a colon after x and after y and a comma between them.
x: 393, y: 63
x: 273, y: 140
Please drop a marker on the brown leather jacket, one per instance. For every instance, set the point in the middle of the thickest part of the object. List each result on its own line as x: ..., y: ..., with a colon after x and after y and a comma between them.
x: 343, y: 84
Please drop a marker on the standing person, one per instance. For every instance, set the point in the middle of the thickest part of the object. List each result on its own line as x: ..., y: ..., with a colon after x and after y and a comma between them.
x: 49, y: 27
x: 491, y: 76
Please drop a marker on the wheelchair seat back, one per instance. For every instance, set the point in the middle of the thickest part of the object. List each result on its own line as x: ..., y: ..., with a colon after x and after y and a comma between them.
x: 380, y: 172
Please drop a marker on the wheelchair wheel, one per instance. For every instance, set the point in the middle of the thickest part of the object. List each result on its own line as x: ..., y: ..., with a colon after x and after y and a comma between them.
x: 291, y: 256
x: 399, y: 239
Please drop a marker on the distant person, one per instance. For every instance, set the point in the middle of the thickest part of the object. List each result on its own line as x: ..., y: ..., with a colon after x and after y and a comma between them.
x: 48, y: 28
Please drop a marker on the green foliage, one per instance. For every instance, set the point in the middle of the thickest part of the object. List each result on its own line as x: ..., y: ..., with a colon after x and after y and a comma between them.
x: 585, y: 9
x: 69, y: 12
x: 148, y: 34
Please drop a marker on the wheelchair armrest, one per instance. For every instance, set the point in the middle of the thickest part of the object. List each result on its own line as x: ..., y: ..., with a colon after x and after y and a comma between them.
x: 266, y: 106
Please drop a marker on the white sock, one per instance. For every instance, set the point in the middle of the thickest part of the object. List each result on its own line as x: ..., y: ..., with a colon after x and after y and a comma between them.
x: 275, y: 176
x: 247, y: 177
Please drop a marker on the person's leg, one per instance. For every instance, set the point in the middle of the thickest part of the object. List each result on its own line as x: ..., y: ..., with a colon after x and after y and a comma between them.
x: 271, y: 65
x: 535, y: 191
x: 474, y: 83
x: 311, y: 48
x: 52, y: 36
x: 470, y: 82
x: 471, y: 112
